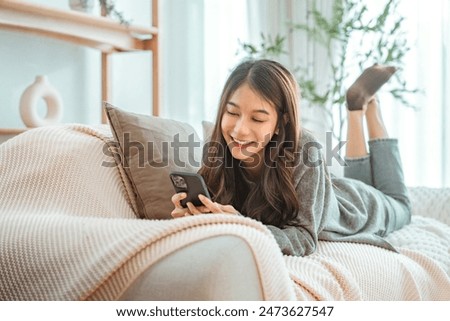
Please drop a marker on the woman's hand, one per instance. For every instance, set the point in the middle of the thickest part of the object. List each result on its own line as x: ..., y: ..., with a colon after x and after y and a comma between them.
x: 215, y: 207
x: 208, y: 207
x: 181, y: 211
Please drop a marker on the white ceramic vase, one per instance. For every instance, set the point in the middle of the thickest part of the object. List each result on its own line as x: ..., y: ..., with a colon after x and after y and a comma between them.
x: 82, y: 5
x: 40, y: 89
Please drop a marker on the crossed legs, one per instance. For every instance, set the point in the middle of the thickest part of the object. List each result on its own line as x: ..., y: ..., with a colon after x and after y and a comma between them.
x: 356, y: 141
x: 361, y: 103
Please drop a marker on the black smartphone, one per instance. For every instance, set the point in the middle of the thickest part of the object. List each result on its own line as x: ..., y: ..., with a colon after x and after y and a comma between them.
x: 190, y: 183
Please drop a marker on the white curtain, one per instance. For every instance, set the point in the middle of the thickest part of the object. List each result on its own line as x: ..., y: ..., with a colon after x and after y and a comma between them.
x: 272, y: 18
x: 424, y: 135
x: 225, y: 25
x: 200, y: 40
x: 200, y: 44
x: 182, y: 64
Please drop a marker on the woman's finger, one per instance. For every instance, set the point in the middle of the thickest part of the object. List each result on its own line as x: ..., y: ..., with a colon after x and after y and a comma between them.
x: 229, y: 209
x: 212, y: 206
x: 215, y: 207
x: 193, y: 209
x: 176, y: 199
x: 179, y: 212
x: 203, y: 209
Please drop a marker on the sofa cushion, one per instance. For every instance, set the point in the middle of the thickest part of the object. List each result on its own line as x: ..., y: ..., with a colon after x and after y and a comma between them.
x: 150, y: 148
x: 207, y: 128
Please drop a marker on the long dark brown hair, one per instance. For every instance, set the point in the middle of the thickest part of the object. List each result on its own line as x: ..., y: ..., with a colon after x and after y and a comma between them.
x: 273, y: 200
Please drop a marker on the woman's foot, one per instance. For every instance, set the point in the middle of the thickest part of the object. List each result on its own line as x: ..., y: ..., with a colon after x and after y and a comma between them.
x: 373, y: 106
x: 362, y: 91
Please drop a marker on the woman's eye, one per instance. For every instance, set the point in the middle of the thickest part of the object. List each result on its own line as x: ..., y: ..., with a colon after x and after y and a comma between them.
x: 231, y: 113
x: 258, y: 120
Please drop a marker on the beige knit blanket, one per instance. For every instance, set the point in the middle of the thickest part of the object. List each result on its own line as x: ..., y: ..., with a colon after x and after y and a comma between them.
x: 68, y: 232
x: 348, y: 271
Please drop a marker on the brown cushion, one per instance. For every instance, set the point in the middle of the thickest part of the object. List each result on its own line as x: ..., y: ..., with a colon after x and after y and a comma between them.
x: 150, y: 148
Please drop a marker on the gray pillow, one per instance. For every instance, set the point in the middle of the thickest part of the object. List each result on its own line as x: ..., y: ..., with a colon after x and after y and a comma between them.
x: 150, y: 148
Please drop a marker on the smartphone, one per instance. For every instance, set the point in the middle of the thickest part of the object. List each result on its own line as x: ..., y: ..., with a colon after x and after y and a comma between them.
x: 190, y: 183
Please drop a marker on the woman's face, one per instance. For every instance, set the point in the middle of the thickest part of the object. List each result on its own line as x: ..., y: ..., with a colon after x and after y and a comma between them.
x: 248, y: 124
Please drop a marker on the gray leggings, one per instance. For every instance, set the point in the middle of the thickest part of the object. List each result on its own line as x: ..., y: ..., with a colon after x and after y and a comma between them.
x: 382, y: 169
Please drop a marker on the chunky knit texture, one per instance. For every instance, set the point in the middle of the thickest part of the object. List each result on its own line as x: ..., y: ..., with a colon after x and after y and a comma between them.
x: 68, y: 231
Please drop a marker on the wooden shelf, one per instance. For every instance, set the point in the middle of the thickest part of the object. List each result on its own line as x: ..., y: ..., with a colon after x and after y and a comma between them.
x: 101, y: 33
x: 96, y: 32
x: 12, y: 131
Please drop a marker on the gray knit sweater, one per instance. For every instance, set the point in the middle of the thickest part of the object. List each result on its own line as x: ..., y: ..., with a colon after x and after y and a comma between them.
x: 333, y: 209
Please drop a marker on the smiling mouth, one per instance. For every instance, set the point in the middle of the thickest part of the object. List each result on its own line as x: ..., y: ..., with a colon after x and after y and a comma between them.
x: 241, y: 143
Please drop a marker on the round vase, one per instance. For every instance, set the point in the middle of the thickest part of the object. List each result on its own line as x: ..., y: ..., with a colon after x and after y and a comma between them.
x: 40, y: 89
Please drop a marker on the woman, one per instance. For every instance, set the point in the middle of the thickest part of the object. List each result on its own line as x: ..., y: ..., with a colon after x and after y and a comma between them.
x: 262, y: 165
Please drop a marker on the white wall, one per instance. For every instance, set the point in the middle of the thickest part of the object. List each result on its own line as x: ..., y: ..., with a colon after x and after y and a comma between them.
x: 74, y: 71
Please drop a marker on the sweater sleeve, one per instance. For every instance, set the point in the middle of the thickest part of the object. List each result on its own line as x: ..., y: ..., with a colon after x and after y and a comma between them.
x: 317, y: 201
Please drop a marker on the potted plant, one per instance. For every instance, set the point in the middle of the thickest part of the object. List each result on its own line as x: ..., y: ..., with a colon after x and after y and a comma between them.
x: 82, y: 5
x: 108, y: 8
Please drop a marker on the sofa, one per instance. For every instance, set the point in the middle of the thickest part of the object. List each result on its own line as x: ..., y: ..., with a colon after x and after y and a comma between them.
x: 71, y: 228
